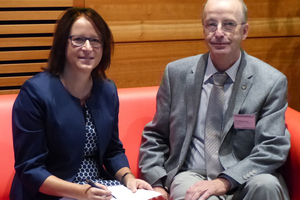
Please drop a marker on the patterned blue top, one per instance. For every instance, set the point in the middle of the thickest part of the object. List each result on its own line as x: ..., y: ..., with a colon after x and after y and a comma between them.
x: 89, y: 167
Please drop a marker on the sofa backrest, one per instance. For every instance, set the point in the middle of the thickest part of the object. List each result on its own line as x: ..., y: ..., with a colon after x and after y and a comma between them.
x: 291, y: 168
x: 6, y: 145
x: 137, y: 108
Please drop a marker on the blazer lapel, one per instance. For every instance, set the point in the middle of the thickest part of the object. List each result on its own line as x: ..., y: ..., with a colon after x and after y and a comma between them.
x: 240, y: 90
x: 193, y: 89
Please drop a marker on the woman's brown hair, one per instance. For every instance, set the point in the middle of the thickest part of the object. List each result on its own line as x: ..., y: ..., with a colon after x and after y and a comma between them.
x: 57, y: 57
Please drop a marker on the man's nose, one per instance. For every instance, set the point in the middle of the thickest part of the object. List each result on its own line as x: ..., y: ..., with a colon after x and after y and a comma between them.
x: 219, y: 31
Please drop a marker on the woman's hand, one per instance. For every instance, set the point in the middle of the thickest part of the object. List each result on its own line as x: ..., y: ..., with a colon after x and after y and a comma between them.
x: 97, y: 193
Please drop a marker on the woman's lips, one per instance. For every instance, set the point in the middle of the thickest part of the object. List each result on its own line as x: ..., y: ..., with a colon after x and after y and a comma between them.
x: 86, y: 58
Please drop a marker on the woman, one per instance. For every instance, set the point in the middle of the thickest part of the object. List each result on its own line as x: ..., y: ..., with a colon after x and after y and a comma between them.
x: 65, y: 119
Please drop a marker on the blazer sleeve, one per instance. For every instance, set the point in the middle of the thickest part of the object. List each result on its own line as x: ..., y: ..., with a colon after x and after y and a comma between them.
x: 114, y: 157
x: 155, y: 148
x: 29, y: 138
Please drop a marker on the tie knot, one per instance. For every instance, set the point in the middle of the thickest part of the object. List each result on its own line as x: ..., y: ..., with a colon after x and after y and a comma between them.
x: 220, y: 78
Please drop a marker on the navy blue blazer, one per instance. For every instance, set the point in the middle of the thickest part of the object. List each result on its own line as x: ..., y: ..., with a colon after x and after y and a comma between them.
x: 49, y: 133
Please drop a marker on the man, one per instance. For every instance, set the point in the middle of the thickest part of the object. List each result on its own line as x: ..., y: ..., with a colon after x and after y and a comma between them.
x: 191, y: 152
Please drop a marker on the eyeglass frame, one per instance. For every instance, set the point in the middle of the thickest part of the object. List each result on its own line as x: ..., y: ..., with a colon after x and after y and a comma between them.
x: 85, y: 39
x: 234, y: 25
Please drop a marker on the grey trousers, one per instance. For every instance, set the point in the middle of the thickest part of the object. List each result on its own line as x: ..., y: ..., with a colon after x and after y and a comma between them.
x: 260, y: 187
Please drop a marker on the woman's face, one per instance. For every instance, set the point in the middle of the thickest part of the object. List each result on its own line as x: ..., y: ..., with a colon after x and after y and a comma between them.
x: 86, y: 57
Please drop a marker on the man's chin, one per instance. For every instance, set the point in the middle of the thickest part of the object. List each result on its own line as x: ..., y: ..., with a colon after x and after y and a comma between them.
x: 223, y: 51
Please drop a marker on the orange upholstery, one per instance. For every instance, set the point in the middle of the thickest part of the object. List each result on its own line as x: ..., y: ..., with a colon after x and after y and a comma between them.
x: 291, y: 169
x: 6, y: 145
x: 137, y: 108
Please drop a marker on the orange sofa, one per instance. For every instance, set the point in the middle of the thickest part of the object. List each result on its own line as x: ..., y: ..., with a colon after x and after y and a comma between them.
x: 137, y: 107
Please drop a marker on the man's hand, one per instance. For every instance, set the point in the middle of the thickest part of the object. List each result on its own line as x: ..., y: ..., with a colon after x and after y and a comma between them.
x: 133, y: 184
x: 205, y: 189
x: 162, y: 191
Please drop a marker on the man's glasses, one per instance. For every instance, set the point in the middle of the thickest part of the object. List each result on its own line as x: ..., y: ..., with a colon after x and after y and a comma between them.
x: 226, y: 26
x: 79, y: 40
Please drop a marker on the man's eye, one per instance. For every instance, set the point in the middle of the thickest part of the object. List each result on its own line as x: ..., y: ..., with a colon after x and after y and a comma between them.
x: 229, y: 24
x: 212, y: 24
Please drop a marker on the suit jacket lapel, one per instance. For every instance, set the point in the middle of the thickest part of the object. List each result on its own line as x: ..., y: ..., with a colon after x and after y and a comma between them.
x: 242, y: 85
x: 193, y: 89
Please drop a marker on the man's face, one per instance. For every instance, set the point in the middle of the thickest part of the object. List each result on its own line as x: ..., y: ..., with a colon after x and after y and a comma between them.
x: 227, y: 17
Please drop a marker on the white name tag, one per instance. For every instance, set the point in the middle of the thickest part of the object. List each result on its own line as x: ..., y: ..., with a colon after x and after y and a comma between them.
x: 244, y: 121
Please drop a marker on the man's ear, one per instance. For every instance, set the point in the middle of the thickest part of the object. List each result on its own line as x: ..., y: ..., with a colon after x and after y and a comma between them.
x: 245, y: 31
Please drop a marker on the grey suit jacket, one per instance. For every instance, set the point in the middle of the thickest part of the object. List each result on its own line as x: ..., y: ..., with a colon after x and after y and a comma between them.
x: 259, y: 89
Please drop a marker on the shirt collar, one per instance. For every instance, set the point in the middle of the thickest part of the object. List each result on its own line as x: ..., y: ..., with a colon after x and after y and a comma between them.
x: 231, y: 72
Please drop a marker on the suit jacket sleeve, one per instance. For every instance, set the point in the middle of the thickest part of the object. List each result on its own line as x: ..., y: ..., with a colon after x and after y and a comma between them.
x: 154, y: 149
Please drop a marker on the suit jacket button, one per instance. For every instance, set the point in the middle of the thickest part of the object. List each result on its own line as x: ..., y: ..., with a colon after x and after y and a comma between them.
x: 245, y: 177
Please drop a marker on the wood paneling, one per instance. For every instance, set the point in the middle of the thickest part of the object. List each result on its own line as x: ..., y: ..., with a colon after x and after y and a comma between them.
x: 24, y: 55
x: 27, y: 29
x: 22, y: 68
x: 141, y: 10
x: 137, y: 31
x: 132, y: 67
x: 275, y: 27
x: 26, y: 42
x: 78, y: 3
x: 269, y: 9
x: 13, y: 81
x: 151, y: 33
x: 35, y: 3
x: 29, y: 15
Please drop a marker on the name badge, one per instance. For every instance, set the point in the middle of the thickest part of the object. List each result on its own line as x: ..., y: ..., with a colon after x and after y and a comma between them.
x: 244, y: 121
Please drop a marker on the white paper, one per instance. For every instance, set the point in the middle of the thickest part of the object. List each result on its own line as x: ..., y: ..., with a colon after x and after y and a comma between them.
x: 123, y: 193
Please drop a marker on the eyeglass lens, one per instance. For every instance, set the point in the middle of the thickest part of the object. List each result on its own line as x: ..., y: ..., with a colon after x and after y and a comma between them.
x: 78, y: 40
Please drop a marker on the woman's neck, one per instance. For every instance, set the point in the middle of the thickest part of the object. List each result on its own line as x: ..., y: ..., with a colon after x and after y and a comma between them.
x: 79, y: 86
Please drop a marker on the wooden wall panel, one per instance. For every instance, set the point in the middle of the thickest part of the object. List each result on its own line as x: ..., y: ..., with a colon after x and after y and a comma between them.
x: 141, y: 10
x: 22, y: 68
x: 35, y: 3
x: 26, y: 34
x: 164, y: 30
x: 145, y: 68
x: 161, y: 29
x: 26, y: 42
x: 27, y: 29
x: 132, y: 67
x: 29, y: 15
